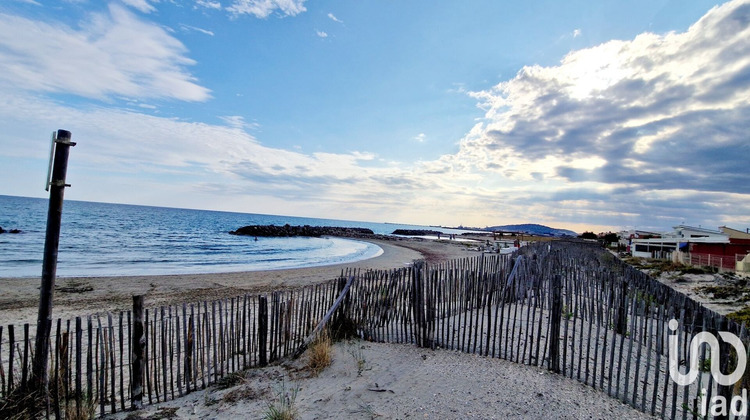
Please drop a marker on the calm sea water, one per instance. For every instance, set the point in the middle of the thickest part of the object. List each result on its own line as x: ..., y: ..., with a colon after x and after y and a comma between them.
x: 101, y: 239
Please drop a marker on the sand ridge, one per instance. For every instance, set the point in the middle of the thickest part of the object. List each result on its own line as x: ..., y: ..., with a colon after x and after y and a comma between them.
x: 395, y: 381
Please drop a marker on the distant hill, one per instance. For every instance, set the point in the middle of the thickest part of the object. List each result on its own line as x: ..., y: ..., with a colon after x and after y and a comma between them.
x: 533, y: 229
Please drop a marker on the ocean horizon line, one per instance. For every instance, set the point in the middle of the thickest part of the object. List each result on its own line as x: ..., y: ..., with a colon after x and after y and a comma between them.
x: 225, y: 211
x: 110, y: 239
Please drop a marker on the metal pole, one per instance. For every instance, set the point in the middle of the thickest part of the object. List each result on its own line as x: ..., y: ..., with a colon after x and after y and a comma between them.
x: 49, y: 265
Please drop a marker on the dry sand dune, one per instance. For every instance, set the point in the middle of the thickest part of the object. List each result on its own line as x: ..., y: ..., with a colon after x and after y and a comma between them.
x: 399, y: 381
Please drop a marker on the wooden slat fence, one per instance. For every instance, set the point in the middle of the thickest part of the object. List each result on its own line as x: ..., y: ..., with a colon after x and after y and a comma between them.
x: 188, y: 347
x: 565, y: 306
x: 569, y: 307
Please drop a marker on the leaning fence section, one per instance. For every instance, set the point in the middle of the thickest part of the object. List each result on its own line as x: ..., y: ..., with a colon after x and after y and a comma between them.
x: 569, y: 307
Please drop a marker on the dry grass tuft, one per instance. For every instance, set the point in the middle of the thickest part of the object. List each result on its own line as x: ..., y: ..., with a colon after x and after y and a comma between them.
x: 87, y: 410
x: 243, y: 393
x: 320, y: 353
x: 20, y: 404
x: 231, y: 380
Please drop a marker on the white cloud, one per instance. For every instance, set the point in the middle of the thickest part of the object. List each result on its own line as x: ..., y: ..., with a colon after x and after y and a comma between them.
x: 112, y: 53
x: 640, y: 132
x: 208, y: 4
x: 141, y: 5
x: 239, y: 122
x: 576, y: 33
x: 321, y: 34
x: 263, y: 8
x: 421, y: 137
x: 196, y: 29
x: 334, y: 18
x: 656, y: 113
x: 116, y: 142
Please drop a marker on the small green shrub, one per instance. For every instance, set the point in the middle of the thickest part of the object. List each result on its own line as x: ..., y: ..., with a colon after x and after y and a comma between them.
x: 743, y: 315
x: 283, y: 407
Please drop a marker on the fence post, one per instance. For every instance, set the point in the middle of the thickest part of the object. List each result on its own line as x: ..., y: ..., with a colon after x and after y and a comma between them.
x: 262, y: 330
x: 417, y: 303
x: 62, y: 145
x: 189, y: 345
x: 428, y: 333
x: 622, y: 309
x: 724, y: 357
x: 555, y: 319
x: 339, y: 325
x: 139, y: 351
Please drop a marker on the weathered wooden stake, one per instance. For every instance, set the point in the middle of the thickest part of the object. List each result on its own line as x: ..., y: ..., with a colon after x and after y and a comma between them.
x: 622, y: 310
x: 139, y: 353
x: 49, y: 264
x: 555, y: 318
x: 725, y: 356
x: 262, y: 330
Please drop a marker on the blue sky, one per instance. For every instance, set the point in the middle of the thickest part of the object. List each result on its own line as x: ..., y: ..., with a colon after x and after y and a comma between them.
x: 582, y: 115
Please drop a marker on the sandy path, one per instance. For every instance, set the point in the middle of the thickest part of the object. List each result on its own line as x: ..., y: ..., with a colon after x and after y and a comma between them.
x: 74, y: 296
x: 377, y: 380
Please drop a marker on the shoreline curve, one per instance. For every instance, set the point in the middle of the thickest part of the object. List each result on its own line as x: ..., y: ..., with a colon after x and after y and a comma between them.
x: 76, y: 296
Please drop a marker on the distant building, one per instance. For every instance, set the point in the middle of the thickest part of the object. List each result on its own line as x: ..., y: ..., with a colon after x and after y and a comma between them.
x: 691, y: 232
x: 732, y: 255
x: 734, y: 233
x: 679, y: 239
x: 627, y: 237
x: 724, y: 248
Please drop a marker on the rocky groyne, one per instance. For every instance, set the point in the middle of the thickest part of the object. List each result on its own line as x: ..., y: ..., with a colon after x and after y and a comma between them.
x: 310, y: 231
x: 416, y: 232
x: 9, y: 231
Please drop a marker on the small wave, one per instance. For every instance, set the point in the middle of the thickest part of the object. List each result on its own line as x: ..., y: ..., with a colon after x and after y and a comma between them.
x: 24, y: 261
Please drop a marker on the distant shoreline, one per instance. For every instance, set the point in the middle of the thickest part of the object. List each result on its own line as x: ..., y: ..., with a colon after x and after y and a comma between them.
x: 77, y: 296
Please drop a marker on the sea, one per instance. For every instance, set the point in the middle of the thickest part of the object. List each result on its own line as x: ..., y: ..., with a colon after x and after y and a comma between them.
x: 105, y: 239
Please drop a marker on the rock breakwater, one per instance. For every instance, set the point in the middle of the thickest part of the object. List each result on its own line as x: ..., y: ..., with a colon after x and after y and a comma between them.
x: 310, y: 231
x: 416, y: 232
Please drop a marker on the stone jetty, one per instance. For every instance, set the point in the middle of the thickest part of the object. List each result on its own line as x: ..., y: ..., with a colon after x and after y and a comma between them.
x: 311, y: 231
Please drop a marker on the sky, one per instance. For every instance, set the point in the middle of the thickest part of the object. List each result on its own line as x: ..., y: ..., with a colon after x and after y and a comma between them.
x: 584, y: 115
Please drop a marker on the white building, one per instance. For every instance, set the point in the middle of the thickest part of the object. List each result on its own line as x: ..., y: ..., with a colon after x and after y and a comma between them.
x: 675, y: 240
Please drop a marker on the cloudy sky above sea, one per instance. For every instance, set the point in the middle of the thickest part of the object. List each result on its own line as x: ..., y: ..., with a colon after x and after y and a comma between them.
x: 582, y: 115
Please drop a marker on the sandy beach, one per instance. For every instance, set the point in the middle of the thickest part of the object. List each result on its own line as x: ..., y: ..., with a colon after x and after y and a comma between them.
x: 365, y: 381
x: 397, y: 381
x: 74, y: 296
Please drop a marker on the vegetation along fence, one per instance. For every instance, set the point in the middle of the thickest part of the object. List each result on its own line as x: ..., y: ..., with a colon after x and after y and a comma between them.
x: 569, y: 307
